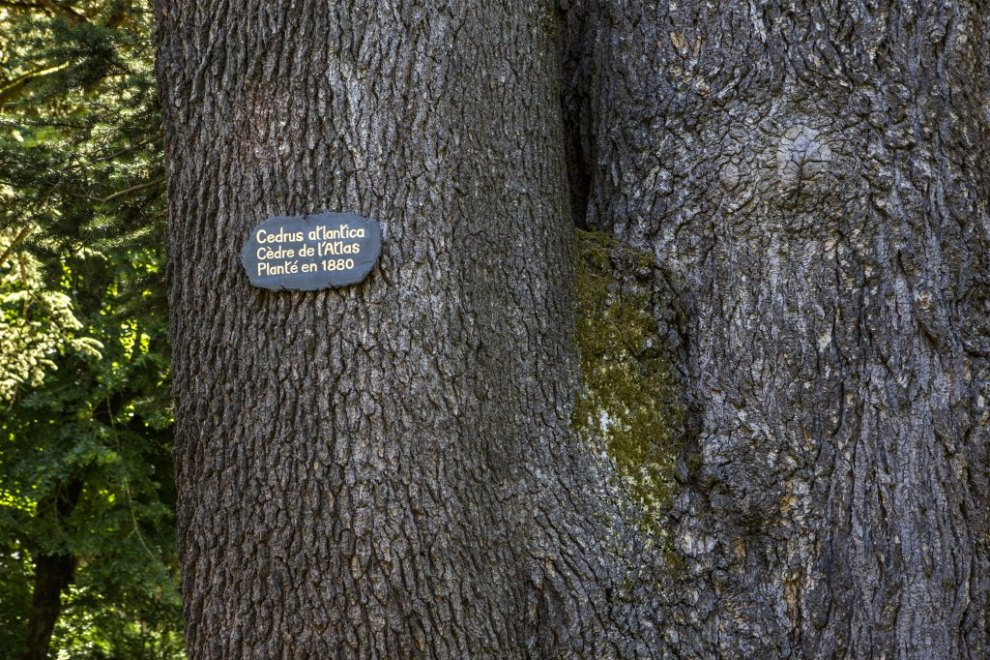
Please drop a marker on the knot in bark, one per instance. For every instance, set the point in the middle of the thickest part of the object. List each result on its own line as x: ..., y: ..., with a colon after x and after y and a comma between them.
x: 802, y: 157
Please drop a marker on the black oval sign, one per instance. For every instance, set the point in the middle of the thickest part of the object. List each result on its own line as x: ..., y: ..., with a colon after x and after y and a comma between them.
x: 310, y: 252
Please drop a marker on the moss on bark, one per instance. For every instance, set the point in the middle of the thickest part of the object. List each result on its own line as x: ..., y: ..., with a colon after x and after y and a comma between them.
x: 630, y: 402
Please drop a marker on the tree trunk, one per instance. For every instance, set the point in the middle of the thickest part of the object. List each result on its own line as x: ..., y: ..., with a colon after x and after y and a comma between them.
x: 812, y: 179
x: 53, y: 573
x: 388, y: 470
x: 382, y: 470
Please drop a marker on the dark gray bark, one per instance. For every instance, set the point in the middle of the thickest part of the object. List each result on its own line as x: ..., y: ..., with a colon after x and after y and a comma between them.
x: 388, y: 470
x: 383, y: 470
x: 812, y: 177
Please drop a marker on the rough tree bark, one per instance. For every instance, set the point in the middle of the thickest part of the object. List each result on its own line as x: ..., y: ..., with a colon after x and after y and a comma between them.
x: 388, y: 470
x: 382, y: 470
x: 812, y: 178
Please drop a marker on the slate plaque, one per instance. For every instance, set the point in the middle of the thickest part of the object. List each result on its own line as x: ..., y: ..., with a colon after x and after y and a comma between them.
x: 310, y: 252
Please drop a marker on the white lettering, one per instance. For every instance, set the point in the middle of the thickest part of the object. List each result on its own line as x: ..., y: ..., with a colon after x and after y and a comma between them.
x: 281, y: 237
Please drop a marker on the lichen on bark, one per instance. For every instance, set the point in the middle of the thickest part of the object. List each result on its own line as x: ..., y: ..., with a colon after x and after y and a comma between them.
x: 629, y: 404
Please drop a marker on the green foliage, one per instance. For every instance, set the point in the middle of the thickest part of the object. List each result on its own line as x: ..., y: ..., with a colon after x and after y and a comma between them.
x: 629, y: 396
x: 84, y: 370
x: 34, y: 321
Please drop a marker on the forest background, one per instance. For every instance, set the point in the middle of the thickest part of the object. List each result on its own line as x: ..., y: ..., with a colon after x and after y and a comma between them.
x: 87, y: 539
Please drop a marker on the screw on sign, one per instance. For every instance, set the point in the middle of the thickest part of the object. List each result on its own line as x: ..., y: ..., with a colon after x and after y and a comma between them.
x: 310, y: 252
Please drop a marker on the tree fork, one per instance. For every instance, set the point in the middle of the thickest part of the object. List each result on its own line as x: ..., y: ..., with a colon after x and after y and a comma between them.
x: 388, y: 470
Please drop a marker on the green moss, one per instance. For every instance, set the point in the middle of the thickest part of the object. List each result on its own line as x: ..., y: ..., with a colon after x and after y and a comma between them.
x: 629, y: 399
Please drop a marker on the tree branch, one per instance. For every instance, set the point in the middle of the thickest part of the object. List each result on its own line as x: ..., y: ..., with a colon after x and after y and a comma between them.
x: 128, y: 191
x: 11, y: 89
x: 50, y: 6
x: 21, y: 235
